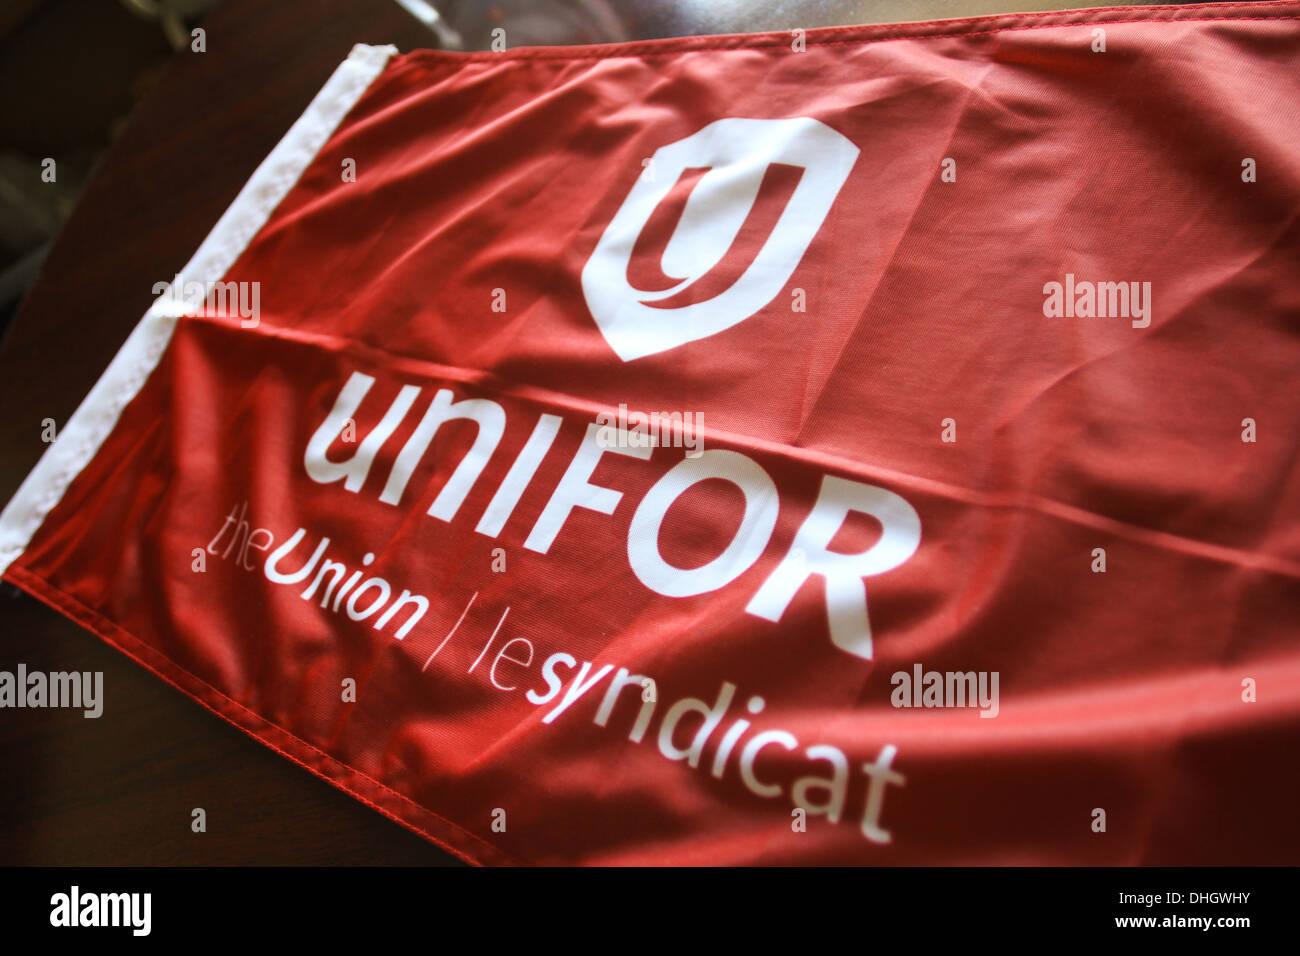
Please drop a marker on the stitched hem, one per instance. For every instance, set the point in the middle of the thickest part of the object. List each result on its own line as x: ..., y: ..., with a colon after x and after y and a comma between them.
x: 398, y: 807
x: 878, y: 32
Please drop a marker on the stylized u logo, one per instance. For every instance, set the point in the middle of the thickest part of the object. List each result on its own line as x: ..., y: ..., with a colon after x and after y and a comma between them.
x: 715, y: 233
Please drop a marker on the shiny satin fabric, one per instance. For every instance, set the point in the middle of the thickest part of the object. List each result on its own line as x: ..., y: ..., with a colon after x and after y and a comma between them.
x: 1098, y: 527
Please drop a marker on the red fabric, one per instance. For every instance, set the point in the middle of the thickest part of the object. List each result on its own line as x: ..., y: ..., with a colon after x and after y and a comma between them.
x: 1120, y: 690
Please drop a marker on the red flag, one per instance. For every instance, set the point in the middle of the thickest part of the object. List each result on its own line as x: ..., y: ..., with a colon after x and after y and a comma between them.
x: 867, y: 445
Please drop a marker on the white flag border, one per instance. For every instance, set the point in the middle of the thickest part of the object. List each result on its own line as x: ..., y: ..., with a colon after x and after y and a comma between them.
x: 85, y: 432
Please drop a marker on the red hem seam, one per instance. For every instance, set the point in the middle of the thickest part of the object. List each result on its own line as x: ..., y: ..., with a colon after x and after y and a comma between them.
x: 863, y: 34
x: 254, y: 724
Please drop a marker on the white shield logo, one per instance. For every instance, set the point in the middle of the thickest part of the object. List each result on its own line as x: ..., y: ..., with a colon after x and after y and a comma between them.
x: 735, y: 159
